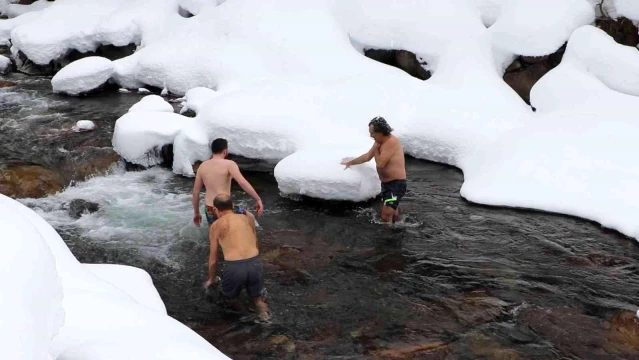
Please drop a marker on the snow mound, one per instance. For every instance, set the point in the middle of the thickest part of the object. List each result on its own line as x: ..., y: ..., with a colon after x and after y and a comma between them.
x: 6, y: 26
x: 628, y: 9
x: 5, y: 64
x: 103, y: 319
x: 196, y: 6
x: 139, y: 133
x: 517, y: 30
x: 191, y: 144
x: 196, y: 98
x: 31, y: 297
x: 318, y: 173
x: 595, y: 52
x: 490, y: 10
x: 83, y: 125
x: 15, y: 10
x: 152, y: 103
x: 83, y: 76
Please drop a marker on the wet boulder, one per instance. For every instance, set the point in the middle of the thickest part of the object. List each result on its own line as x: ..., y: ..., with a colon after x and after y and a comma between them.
x: 29, y: 181
x: 7, y: 83
x: 78, y: 207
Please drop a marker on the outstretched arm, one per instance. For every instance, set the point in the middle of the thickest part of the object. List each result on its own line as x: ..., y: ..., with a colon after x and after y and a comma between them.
x: 197, y: 187
x: 363, y: 158
x: 244, y: 184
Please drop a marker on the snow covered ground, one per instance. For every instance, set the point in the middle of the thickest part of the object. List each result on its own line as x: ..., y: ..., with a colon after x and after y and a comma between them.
x: 83, y: 311
x: 288, y: 81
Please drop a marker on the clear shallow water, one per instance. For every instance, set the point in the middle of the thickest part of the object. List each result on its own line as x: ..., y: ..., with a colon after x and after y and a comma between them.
x: 454, y: 280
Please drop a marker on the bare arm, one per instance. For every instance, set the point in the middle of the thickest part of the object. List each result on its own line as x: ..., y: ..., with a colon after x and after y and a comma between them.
x: 213, y: 237
x: 197, y: 187
x: 234, y: 170
x: 385, y: 154
x: 363, y: 158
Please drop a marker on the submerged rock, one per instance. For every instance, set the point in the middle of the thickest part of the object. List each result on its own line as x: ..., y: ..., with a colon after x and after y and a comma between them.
x: 77, y: 207
x: 29, y: 181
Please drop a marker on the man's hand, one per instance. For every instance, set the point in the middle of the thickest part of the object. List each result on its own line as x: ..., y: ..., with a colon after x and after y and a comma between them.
x: 209, y: 282
x: 259, y: 207
x: 197, y: 219
x: 346, y: 164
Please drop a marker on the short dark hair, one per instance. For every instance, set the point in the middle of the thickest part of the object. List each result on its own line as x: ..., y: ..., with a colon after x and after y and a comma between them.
x: 380, y: 125
x: 219, y: 145
x: 223, y: 202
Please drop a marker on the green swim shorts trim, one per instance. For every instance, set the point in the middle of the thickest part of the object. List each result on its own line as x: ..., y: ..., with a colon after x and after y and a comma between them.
x: 394, y: 198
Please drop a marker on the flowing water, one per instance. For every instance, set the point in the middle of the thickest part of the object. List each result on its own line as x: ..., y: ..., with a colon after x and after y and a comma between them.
x: 454, y: 280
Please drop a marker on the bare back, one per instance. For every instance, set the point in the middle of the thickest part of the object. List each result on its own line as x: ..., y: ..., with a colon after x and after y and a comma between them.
x: 236, y: 235
x: 395, y: 166
x: 216, y: 177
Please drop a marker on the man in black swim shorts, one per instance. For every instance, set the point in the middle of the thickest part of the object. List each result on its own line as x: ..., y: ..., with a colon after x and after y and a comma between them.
x: 389, y: 157
x: 242, y: 268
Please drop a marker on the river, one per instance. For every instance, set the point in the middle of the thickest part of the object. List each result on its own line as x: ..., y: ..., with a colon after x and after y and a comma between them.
x: 455, y: 280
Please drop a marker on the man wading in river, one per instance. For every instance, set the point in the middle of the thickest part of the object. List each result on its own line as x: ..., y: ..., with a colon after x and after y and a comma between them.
x: 215, y: 175
x: 389, y: 157
x: 242, y: 266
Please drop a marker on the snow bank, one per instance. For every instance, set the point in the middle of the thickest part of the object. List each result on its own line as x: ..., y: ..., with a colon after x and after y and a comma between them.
x: 82, y: 76
x: 517, y: 30
x: 83, y: 125
x: 102, y: 319
x: 15, y: 10
x: 5, y: 64
x: 628, y: 9
x: 31, y: 297
x: 136, y: 134
x: 489, y: 9
x: 6, y: 26
x: 152, y: 103
x: 595, y: 52
x: 195, y: 6
x: 298, y: 174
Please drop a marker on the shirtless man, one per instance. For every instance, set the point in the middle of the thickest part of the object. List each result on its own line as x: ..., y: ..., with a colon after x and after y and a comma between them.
x: 215, y: 174
x: 389, y: 157
x: 242, y: 266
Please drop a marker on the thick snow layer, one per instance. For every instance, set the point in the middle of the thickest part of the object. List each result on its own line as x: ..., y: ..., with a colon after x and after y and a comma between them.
x: 31, y: 297
x: 489, y: 9
x: 594, y: 51
x: 15, y: 10
x: 84, y: 125
x: 586, y: 167
x: 152, y: 103
x: 134, y: 281
x: 83, y: 75
x: 103, y: 319
x: 5, y: 64
x: 297, y: 174
x: 517, y: 30
x: 138, y: 133
x: 628, y: 9
x: 196, y: 98
x: 195, y: 6
x: 6, y: 26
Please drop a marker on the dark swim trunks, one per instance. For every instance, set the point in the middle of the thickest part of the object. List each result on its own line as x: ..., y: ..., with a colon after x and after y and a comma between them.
x: 210, y: 214
x: 392, y: 192
x: 239, y: 274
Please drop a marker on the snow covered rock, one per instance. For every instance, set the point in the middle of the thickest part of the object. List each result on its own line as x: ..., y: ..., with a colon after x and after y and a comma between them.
x: 137, y: 134
x: 31, y: 297
x: 5, y: 65
x: 593, y: 51
x: 196, y: 98
x: 84, y: 125
x: 628, y: 9
x: 152, y: 103
x: 83, y: 76
x: 318, y: 173
x: 517, y: 30
x: 15, y: 10
x: 110, y: 311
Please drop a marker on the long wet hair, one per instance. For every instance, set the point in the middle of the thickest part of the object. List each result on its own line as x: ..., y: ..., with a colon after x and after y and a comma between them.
x: 380, y: 125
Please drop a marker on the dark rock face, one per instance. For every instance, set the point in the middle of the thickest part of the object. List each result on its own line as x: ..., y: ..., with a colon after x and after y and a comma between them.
x: 29, y: 181
x: 622, y: 30
x: 525, y: 71
x: 77, y: 207
x: 401, y: 59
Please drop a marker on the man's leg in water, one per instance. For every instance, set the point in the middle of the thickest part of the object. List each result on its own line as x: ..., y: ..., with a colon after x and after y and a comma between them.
x: 387, y: 213
x: 255, y: 288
